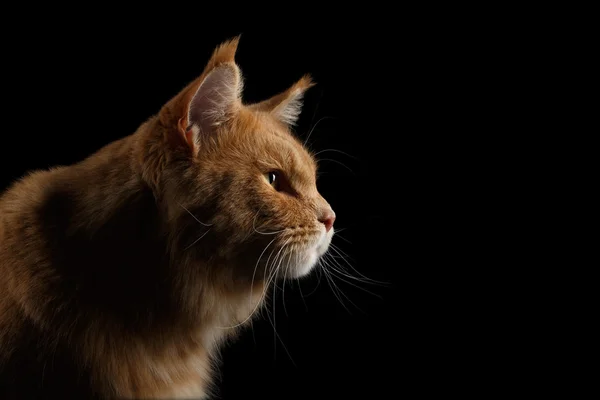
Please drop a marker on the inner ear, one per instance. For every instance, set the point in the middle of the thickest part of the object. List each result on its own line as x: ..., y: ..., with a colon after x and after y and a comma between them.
x: 286, y: 106
x: 288, y: 111
x: 216, y: 100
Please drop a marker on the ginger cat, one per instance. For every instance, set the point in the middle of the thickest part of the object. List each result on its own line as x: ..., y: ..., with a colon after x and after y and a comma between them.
x: 121, y: 275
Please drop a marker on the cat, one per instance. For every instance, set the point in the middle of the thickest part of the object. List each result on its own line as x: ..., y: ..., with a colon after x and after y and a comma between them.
x: 123, y: 274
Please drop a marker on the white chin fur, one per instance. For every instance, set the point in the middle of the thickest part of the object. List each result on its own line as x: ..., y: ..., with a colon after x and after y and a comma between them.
x: 310, y: 257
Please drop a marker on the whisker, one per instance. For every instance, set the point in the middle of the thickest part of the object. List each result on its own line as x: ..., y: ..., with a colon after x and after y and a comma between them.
x: 315, y: 113
x: 320, y: 276
x: 193, y: 216
x: 346, y: 273
x: 340, y: 290
x: 349, y: 275
x: 333, y: 246
x: 336, y: 161
x: 269, y: 233
x: 335, y: 150
x: 341, y: 268
x: 277, y: 262
x: 334, y: 290
x: 313, y: 128
x: 274, y: 321
x: 285, y: 272
x: 337, y: 235
x: 333, y: 269
x: 356, y: 286
x: 344, y: 239
x: 301, y: 294
x: 197, y: 240
x: 280, y: 340
x: 251, y: 289
x: 276, y: 272
x: 341, y: 253
x: 263, y: 233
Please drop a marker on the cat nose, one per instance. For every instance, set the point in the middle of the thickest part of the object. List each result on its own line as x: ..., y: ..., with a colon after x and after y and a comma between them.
x: 327, y: 218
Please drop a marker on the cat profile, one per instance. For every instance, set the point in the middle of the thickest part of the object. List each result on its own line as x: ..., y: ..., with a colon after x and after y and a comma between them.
x: 121, y: 275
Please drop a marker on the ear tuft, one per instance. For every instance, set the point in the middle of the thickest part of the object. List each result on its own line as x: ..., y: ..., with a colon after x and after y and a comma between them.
x: 224, y: 53
x: 305, y: 83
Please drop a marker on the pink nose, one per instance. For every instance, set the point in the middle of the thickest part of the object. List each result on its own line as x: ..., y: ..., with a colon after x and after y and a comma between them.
x: 327, y: 219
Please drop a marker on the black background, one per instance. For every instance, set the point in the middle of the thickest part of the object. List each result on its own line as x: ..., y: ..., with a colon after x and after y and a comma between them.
x: 381, y: 102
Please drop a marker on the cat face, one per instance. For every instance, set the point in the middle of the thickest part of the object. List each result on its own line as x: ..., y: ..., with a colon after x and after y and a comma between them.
x: 265, y: 195
x: 249, y: 183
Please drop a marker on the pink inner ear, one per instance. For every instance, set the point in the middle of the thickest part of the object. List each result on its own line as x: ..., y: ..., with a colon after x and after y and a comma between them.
x: 215, y: 98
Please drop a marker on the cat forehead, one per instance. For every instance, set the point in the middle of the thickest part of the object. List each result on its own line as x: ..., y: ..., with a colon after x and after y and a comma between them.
x: 288, y: 144
x: 275, y: 143
x: 295, y: 155
x: 285, y: 148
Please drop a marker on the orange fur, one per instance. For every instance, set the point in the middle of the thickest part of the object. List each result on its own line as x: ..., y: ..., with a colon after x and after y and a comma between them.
x: 130, y: 268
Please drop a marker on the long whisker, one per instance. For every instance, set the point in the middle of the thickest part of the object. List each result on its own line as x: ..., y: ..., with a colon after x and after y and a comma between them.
x: 285, y: 271
x: 275, y: 274
x: 301, y: 294
x: 256, y: 266
x: 333, y: 246
x: 340, y: 268
x: 269, y: 233
x: 274, y: 321
x: 333, y: 269
x: 336, y: 161
x: 339, y: 289
x: 319, y: 277
x: 287, y: 268
x: 337, y: 234
x: 335, y: 150
x: 346, y: 273
x: 262, y: 233
x: 334, y: 289
x: 280, y: 340
x: 344, y: 294
x: 315, y: 113
x: 342, y: 254
x: 251, y: 289
x: 197, y: 240
x: 313, y: 128
x: 193, y: 216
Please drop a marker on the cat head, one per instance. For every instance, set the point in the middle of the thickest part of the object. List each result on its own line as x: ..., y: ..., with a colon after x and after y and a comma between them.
x: 240, y: 187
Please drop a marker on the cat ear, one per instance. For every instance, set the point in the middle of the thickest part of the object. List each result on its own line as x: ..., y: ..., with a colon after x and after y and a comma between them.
x: 216, y: 99
x: 286, y: 106
x: 208, y: 101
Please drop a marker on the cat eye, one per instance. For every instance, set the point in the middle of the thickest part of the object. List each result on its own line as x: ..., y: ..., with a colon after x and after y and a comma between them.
x: 271, y: 178
x: 278, y: 181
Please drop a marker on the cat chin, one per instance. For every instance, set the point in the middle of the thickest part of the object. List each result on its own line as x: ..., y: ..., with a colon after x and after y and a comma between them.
x: 305, y: 267
x: 311, y: 257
